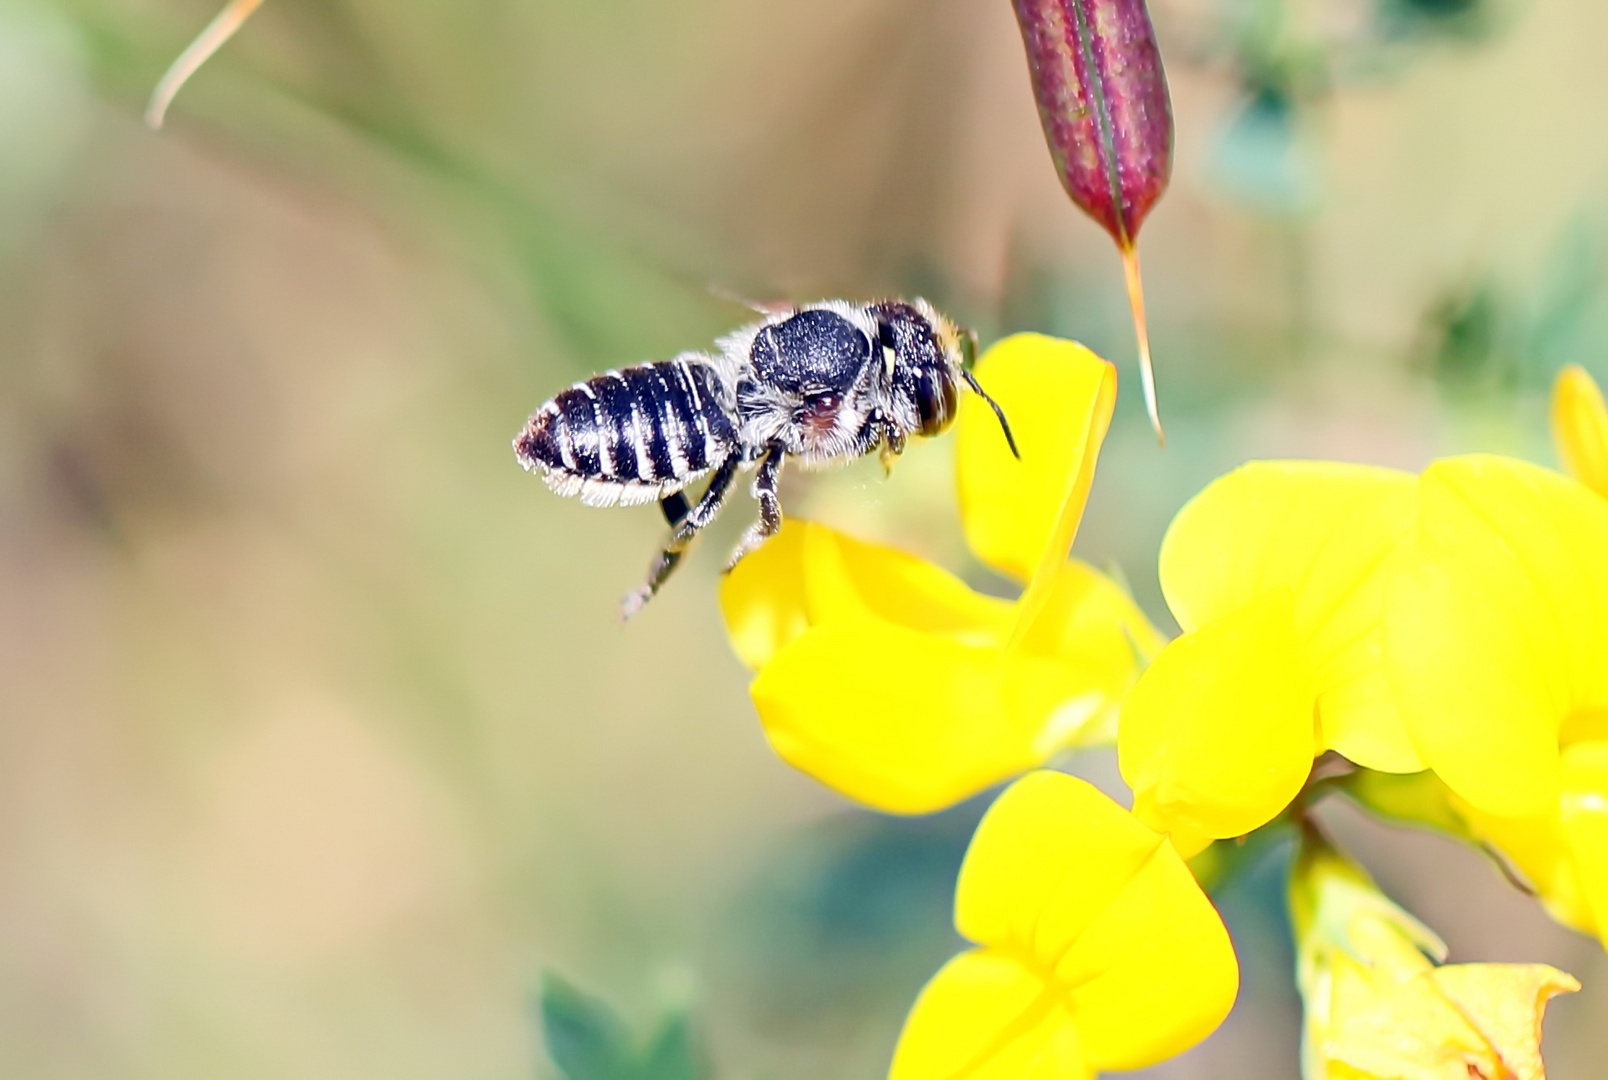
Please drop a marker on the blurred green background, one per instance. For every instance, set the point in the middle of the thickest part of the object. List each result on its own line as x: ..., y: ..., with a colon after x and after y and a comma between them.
x: 319, y: 741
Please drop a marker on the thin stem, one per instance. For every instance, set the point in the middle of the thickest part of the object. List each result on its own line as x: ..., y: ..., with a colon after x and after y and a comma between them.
x: 209, y: 41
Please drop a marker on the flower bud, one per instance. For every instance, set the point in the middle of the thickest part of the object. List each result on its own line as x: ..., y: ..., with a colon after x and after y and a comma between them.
x: 1102, y: 97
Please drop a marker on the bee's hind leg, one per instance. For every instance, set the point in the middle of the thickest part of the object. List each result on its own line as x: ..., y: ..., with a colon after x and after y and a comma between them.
x: 685, y: 526
x: 770, y: 508
x: 675, y: 508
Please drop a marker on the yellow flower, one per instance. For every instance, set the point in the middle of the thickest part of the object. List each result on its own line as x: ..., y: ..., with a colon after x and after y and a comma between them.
x: 1495, y: 640
x: 1496, y: 629
x: 1096, y: 948
x: 1496, y: 637
x: 1276, y: 574
x: 890, y: 680
x: 1508, y: 567
x: 1456, y: 621
x: 1378, y: 1008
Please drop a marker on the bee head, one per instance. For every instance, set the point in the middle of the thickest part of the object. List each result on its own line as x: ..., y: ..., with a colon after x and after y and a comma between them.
x: 930, y: 357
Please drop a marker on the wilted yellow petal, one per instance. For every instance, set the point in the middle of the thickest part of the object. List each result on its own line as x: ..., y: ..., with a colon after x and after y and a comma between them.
x: 986, y: 1017
x: 1496, y: 626
x: 1378, y: 1008
x: 1505, y: 1003
x: 1403, y: 1031
x: 1020, y: 516
x: 1059, y: 879
x: 1217, y: 736
x: 1322, y: 531
x: 903, y: 721
x: 1449, y: 1023
x: 1580, y: 428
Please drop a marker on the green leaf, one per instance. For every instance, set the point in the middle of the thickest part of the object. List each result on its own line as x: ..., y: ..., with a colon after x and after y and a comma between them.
x: 673, y: 1055
x: 585, y: 1037
x: 587, y: 1040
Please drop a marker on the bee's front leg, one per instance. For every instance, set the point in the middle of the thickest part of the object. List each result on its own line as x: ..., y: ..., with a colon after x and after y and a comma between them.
x: 893, y: 444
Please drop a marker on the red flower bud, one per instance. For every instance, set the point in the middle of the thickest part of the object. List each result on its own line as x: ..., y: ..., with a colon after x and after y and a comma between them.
x: 1102, y: 97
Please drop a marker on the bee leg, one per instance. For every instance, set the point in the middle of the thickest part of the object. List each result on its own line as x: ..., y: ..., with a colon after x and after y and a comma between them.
x: 770, y: 508
x: 681, y: 536
x: 675, y: 508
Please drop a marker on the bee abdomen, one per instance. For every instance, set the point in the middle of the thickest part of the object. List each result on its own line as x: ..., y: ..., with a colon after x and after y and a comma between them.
x: 630, y: 436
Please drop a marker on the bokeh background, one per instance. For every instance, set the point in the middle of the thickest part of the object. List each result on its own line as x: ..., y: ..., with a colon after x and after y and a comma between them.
x: 319, y: 741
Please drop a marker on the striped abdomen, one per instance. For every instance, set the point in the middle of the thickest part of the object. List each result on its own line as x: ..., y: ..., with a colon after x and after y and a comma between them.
x: 630, y: 436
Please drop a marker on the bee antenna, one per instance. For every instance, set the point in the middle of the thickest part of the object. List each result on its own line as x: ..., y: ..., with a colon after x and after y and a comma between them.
x: 1005, y: 426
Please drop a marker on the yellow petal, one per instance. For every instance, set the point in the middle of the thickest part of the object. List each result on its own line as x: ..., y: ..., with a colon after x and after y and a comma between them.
x: 809, y: 574
x: 1537, y: 848
x: 846, y: 579
x: 762, y: 599
x: 1496, y: 626
x: 1095, y: 638
x: 1322, y: 531
x: 883, y: 676
x: 898, y: 719
x: 1580, y: 428
x: 1583, y: 820
x: 1020, y: 516
x: 1051, y: 847
x: 1062, y: 879
x: 1217, y: 736
x: 1086, y: 612
x: 986, y: 1017
x: 1155, y: 973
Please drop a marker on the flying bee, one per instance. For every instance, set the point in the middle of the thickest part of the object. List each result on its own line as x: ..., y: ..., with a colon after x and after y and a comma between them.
x: 823, y: 383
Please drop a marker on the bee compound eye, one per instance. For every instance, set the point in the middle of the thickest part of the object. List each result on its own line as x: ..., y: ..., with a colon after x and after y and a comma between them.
x: 935, y: 402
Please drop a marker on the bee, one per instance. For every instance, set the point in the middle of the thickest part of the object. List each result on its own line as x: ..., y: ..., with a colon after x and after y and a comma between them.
x: 823, y: 383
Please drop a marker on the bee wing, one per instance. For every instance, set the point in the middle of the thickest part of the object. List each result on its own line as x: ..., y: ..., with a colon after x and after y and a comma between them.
x: 768, y: 308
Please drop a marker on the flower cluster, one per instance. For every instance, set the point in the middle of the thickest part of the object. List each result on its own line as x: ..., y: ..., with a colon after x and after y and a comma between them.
x: 1441, y: 637
x: 888, y: 678
x: 1455, y: 621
